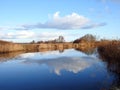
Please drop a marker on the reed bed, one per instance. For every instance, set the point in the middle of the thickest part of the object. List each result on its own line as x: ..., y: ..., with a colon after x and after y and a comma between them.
x: 110, y: 53
x: 110, y: 50
x: 10, y: 47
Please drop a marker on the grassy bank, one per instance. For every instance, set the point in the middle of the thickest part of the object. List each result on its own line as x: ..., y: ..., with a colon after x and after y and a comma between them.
x: 104, y: 47
x: 9, y: 47
x: 110, y: 53
x: 110, y: 50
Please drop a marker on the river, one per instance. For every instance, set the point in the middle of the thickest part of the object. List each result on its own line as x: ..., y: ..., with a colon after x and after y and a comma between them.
x: 56, y: 70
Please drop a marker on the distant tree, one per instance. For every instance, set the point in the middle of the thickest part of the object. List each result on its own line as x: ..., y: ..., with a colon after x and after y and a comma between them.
x: 40, y: 42
x: 76, y: 41
x: 60, y: 39
x: 32, y: 42
x: 86, y: 38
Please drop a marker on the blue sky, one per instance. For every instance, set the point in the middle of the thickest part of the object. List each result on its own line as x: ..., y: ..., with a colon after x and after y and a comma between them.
x: 27, y: 20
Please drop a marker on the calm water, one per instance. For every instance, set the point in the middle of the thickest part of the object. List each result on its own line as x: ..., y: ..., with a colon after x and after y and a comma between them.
x: 54, y: 70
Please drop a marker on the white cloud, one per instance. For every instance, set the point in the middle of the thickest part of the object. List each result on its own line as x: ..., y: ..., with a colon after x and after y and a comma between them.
x: 5, y: 28
x: 26, y: 34
x: 68, y: 22
x: 94, y: 25
x: 72, y: 21
x: 17, y: 35
x: 50, y: 36
x: 0, y: 28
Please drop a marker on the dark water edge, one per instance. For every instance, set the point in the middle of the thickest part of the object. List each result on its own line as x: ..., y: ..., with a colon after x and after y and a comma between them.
x: 54, y: 70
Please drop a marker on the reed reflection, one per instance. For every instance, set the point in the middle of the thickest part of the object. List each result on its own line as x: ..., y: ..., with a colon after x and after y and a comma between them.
x: 86, y: 50
x: 111, y: 55
x: 11, y: 55
x: 113, y: 63
x: 8, y: 56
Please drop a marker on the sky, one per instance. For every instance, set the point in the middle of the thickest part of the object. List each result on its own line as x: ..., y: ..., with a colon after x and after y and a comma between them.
x: 28, y: 20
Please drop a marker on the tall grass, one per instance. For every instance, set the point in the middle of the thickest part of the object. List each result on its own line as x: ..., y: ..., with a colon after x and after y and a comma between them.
x: 110, y: 50
x: 9, y: 47
x: 110, y: 53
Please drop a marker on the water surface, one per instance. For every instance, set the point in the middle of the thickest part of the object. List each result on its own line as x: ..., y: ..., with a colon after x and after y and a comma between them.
x: 53, y: 70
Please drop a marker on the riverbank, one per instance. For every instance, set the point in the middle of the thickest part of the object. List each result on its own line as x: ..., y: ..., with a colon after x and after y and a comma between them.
x: 11, y: 47
x: 110, y: 51
x: 105, y: 45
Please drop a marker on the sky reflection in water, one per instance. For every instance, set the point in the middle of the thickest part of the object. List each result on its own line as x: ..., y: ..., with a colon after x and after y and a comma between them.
x: 70, y: 70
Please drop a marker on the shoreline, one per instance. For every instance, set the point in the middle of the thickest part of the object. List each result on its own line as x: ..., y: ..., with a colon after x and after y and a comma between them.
x: 13, y: 47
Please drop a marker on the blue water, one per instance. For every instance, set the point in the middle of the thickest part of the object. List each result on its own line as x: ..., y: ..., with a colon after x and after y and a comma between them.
x: 70, y: 70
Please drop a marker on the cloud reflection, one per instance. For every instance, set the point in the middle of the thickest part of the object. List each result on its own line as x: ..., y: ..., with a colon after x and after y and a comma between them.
x: 71, y: 64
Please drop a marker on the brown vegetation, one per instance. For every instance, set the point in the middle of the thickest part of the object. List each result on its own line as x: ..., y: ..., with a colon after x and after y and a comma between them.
x: 9, y: 47
x: 110, y: 52
x: 87, y: 41
x: 86, y: 38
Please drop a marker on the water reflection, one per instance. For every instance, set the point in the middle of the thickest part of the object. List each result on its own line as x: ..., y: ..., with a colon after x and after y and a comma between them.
x: 11, y: 55
x: 72, y: 64
x: 8, y: 56
x: 88, y: 70
x: 88, y: 51
x: 52, y: 49
x: 113, y: 65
